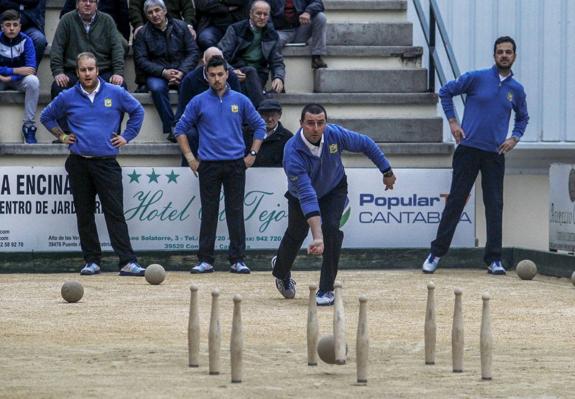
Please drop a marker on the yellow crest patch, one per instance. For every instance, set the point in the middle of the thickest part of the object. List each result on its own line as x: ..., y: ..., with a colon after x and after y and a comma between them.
x: 107, y: 102
x: 235, y: 108
x: 333, y: 148
x: 510, y: 96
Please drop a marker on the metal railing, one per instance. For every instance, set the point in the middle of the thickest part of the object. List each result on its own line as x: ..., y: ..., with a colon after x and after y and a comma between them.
x: 429, y: 31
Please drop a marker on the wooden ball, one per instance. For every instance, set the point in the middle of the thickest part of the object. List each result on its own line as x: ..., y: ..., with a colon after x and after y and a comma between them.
x: 72, y: 291
x: 155, y: 274
x: 326, y: 349
x: 526, y: 269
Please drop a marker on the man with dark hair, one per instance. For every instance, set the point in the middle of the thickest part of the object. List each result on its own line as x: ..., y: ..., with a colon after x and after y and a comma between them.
x: 18, y: 68
x: 317, y: 194
x: 215, y: 16
x: 32, y: 19
x: 252, y: 48
x: 271, y: 152
x: 218, y: 114
x: 164, y: 51
x: 296, y: 21
x: 83, y: 30
x: 94, y: 111
x: 482, y: 144
x: 117, y: 9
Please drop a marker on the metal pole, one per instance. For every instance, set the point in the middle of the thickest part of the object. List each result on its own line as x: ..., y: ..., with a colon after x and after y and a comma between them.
x: 431, y: 78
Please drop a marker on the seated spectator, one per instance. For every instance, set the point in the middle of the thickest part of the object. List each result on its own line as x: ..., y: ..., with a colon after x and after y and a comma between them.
x: 165, y: 51
x: 117, y: 9
x: 72, y: 38
x: 32, y: 19
x: 178, y: 9
x: 17, y: 68
x: 296, y: 21
x: 252, y: 48
x: 271, y: 153
x: 215, y: 16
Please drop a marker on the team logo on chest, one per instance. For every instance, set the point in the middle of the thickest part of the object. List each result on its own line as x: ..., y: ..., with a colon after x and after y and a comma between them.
x: 510, y: 96
x: 333, y: 148
x: 107, y: 102
x: 235, y: 108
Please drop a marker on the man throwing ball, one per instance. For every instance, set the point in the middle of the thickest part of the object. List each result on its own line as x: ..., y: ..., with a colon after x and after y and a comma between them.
x: 317, y: 193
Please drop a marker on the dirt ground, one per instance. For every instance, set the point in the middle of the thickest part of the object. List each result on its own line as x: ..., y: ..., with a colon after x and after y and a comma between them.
x: 128, y: 339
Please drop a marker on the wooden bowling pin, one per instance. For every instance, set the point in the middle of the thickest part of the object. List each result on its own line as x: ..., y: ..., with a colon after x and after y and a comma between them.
x: 362, y: 342
x: 339, y: 326
x: 430, y: 330
x: 457, y: 342
x: 237, y: 341
x: 486, y: 340
x: 214, y: 335
x: 312, y: 328
x: 193, y: 329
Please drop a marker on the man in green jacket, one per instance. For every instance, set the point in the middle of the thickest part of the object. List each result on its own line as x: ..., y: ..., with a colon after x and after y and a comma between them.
x: 86, y: 29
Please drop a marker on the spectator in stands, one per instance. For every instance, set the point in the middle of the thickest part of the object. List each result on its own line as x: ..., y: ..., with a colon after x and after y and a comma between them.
x: 177, y: 9
x: 17, y: 69
x: 218, y: 115
x: 165, y: 51
x: 117, y: 9
x: 271, y: 153
x: 32, y: 19
x: 94, y: 110
x: 482, y: 137
x: 317, y: 194
x: 296, y: 21
x: 252, y: 48
x: 215, y: 16
x: 86, y: 29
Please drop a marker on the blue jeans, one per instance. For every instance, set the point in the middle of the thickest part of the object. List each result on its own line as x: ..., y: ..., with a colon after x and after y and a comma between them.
x: 209, y: 37
x: 467, y: 163
x: 331, y: 208
x: 40, y: 43
x: 159, y: 89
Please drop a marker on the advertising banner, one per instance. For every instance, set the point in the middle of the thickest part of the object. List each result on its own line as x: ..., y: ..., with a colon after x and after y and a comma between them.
x: 562, y: 207
x: 163, y: 210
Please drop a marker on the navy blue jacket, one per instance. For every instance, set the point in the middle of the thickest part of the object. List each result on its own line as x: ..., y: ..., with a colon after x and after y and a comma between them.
x: 33, y: 15
x: 310, y: 6
x: 15, y: 53
x: 488, y: 107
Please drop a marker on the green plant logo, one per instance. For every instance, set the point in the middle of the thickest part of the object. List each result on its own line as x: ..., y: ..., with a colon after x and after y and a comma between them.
x: 346, y: 213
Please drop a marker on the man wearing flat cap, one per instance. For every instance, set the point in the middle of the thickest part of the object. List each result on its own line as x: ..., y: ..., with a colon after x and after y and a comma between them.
x: 271, y: 152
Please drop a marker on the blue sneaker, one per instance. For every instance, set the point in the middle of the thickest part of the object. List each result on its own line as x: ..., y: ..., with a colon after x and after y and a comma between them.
x: 29, y: 132
x: 202, y: 267
x: 240, y: 268
x: 430, y: 264
x: 286, y: 287
x: 496, y: 268
x: 132, y: 269
x: 90, y: 269
x: 324, y: 298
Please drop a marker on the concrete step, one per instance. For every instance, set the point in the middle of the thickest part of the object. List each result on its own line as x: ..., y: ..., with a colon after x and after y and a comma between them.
x: 401, y: 130
x: 299, y: 73
x: 354, y: 106
x: 338, y: 11
x: 370, y: 34
x: 370, y: 81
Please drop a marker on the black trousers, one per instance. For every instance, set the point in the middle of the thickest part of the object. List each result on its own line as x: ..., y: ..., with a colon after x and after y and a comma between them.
x: 101, y: 176
x: 331, y: 208
x: 467, y: 163
x: 232, y: 176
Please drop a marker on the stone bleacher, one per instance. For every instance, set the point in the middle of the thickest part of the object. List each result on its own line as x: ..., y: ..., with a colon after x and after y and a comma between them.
x: 374, y: 84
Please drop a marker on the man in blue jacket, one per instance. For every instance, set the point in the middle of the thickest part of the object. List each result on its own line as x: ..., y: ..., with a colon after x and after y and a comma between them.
x: 218, y: 115
x: 94, y: 111
x: 317, y: 193
x: 482, y: 138
x: 18, y: 68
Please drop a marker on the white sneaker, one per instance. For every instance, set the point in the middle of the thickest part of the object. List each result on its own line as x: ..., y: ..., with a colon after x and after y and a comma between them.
x: 273, y: 262
x: 324, y: 298
x: 430, y: 264
x: 496, y: 268
x: 202, y: 267
x: 240, y: 267
x: 132, y: 269
x: 90, y: 269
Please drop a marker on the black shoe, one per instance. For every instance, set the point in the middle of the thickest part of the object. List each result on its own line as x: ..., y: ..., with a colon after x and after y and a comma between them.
x: 141, y: 89
x: 317, y: 62
x: 171, y: 138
